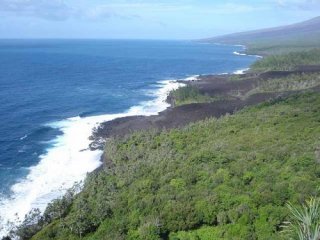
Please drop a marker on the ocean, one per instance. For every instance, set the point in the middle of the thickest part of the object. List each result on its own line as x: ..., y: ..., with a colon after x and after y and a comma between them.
x: 54, y: 92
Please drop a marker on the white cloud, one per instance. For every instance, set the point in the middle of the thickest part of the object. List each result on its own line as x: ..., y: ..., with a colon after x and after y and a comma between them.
x: 304, y: 5
x: 105, y: 11
x: 230, y: 8
x: 135, y: 9
x: 140, y: 8
x: 59, y: 10
x: 48, y: 9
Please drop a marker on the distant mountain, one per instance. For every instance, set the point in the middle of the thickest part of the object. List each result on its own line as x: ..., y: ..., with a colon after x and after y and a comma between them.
x: 296, y: 36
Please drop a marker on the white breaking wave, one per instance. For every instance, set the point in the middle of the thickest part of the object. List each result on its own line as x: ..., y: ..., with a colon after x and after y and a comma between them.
x: 69, y: 159
x: 24, y: 137
x: 239, y: 45
x: 243, y: 54
x: 241, y: 71
x: 239, y: 54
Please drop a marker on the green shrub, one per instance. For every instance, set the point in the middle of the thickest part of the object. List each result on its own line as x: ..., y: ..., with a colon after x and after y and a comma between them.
x: 205, y: 181
x: 190, y: 94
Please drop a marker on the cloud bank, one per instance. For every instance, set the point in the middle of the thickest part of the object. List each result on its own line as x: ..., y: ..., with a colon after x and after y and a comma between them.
x: 48, y: 9
x: 303, y: 5
x: 62, y: 10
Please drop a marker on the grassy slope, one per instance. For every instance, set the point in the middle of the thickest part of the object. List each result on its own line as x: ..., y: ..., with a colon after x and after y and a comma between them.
x: 267, y: 50
x: 217, y: 179
x: 289, y: 61
x: 294, y: 82
x: 283, y: 45
x: 233, y: 175
x: 295, y: 37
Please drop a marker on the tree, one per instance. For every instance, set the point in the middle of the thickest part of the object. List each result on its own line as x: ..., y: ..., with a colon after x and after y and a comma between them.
x: 81, y: 222
x: 31, y: 225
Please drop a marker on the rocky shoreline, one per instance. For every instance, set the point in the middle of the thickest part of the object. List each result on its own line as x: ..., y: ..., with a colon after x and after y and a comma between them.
x: 212, y: 85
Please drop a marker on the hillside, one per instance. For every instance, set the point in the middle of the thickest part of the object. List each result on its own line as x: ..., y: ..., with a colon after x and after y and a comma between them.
x: 220, y: 178
x: 303, y: 35
x: 223, y: 163
x: 226, y: 178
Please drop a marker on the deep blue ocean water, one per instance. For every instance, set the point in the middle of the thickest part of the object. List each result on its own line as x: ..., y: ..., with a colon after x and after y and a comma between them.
x: 47, y: 81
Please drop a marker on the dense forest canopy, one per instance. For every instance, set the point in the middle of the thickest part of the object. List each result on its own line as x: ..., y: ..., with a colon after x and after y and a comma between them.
x: 227, y: 178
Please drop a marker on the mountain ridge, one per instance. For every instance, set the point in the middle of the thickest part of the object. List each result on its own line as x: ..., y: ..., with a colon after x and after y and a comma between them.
x: 304, y: 34
x: 309, y: 26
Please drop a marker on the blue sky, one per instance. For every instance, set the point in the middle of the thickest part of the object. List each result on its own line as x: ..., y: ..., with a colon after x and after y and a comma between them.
x: 146, y: 19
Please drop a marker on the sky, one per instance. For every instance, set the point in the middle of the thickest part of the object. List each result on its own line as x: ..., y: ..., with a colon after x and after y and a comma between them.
x: 146, y: 19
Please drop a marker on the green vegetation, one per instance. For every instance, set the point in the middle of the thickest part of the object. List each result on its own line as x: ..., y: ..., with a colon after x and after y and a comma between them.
x: 226, y: 178
x: 305, y: 221
x: 286, y: 62
x: 291, y: 83
x: 297, y: 37
x: 294, y: 82
x: 190, y: 94
x: 237, y: 77
x: 285, y: 45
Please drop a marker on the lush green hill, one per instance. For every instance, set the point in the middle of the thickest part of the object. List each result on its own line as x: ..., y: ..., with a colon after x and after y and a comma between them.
x: 226, y: 178
x: 295, y: 37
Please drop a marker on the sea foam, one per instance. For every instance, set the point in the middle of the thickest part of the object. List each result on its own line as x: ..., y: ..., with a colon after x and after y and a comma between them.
x: 239, y: 54
x: 244, y: 54
x: 241, y: 71
x: 68, y: 160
